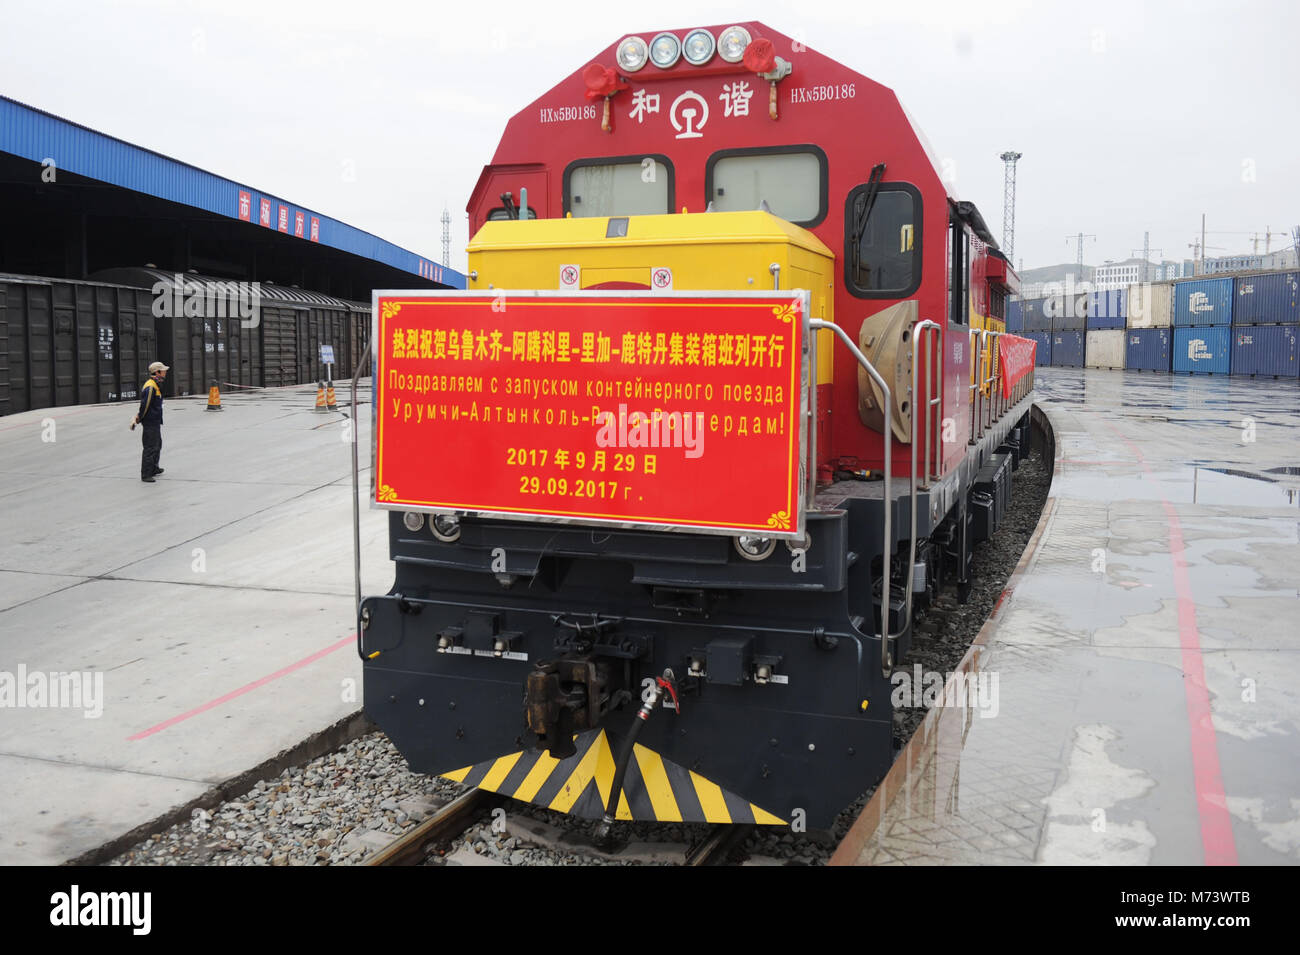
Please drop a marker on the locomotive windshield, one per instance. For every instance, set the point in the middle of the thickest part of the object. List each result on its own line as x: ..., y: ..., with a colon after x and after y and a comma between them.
x: 618, y: 187
x: 791, y: 182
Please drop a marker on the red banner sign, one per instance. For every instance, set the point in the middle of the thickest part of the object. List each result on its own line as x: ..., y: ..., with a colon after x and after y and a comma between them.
x: 1017, y: 356
x: 628, y: 408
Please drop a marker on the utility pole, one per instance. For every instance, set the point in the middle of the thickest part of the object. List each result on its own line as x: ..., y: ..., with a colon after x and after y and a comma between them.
x: 1146, y: 255
x: 446, y: 238
x: 1202, y: 272
x: 1080, y: 237
x: 1009, y: 204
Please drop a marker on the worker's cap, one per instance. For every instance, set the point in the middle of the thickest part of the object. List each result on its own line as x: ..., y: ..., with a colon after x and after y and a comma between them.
x: 156, y: 367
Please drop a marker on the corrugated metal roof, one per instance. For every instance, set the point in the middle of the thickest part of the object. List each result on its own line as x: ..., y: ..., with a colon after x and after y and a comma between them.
x: 144, y: 277
x: 40, y: 136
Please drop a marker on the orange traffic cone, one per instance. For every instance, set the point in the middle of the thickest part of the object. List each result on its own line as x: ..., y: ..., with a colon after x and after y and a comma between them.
x: 320, y: 398
x: 214, y: 398
x: 330, y: 403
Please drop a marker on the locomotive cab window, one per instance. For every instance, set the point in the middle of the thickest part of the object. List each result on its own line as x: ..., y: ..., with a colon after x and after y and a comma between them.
x: 882, y: 255
x: 791, y: 180
x: 619, y: 186
x: 502, y: 214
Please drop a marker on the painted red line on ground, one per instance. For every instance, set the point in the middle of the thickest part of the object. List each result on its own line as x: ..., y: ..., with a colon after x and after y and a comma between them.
x: 1211, y: 801
x: 248, y: 688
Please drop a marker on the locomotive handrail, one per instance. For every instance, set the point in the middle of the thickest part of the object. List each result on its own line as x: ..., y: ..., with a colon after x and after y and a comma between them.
x: 918, y: 334
x: 974, y: 385
x: 886, y: 661
x: 356, y: 504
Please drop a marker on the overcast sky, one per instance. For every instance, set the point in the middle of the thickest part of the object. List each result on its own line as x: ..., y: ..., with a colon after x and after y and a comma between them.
x: 1130, y: 116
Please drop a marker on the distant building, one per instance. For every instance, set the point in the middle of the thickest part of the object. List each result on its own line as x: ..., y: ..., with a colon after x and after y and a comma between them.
x: 1114, y: 275
x: 1285, y: 259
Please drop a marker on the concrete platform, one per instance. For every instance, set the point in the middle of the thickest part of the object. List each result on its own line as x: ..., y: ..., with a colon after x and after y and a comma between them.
x: 215, y: 605
x: 1141, y: 673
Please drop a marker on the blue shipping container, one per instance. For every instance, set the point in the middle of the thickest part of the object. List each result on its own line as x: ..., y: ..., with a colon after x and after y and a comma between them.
x: 1036, y: 317
x: 1203, y: 351
x: 1108, y: 309
x: 1203, y: 302
x: 1147, y: 349
x: 1067, y: 349
x: 1267, y: 350
x: 1068, y: 312
x: 1015, y: 316
x: 1043, y: 353
x: 1272, y: 299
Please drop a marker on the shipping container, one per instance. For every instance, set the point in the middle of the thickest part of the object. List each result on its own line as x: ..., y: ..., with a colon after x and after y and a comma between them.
x: 1015, y: 316
x: 1104, y: 348
x: 1150, y: 305
x: 1067, y: 349
x: 1035, y: 314
x: 1204, y: 350
x: 1265, y: 351
x: 1203, y: 302
x: 1107, y: 309
x: 1272, y: 299
x: 1043, y: 353
x: 1068, y: 312
x: 1147, y: 349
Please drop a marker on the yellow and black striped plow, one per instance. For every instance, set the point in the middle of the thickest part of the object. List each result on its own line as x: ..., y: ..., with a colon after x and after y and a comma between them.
x: 654, y: 790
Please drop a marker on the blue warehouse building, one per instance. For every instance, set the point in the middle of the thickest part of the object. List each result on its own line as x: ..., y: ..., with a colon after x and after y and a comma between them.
x: 77, y: 201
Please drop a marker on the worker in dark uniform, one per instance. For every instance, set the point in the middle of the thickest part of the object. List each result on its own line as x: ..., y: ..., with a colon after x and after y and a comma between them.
x: 151, y: 416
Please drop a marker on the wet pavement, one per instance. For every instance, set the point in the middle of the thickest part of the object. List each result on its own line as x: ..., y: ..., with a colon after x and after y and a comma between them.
x: 156, y: 639
x: 1136, y: 692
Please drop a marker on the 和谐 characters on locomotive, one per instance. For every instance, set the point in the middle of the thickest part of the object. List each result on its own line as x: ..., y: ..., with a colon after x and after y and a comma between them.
x: 517, y: 655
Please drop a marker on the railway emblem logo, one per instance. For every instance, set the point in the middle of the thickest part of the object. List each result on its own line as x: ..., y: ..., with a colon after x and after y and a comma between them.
x: 688, y: 114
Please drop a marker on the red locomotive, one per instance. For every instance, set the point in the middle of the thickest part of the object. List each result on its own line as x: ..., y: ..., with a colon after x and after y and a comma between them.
x: 713, y: 160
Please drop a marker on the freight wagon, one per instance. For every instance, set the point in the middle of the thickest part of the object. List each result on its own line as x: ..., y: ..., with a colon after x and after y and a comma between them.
x: 65, y: 342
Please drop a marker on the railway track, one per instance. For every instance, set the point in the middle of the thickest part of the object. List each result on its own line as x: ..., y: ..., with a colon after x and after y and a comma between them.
x: 450, y: 822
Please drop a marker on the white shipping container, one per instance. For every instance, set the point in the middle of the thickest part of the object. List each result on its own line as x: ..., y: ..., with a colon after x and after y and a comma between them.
x: 1105, y: 348
x: 1150, y: 305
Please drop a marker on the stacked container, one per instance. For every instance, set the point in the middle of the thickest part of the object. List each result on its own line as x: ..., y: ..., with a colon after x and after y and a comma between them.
x: 1266, y: 323
x: 1203, y: 326
x: 1147, y: 349
x: 1107, y: 313
x: 1043, y: 353
x: 1150, y: 311
x: 1015, y: 317
x: 1036, y: 314
x: 1069, y: 315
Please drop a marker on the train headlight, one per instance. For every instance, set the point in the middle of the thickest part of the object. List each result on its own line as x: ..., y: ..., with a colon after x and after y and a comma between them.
x: 698, y: 47
x: 413, y: 520
x: 755, y: 548
x: 445, y: 527
x: 631, y: 55
x: 665, y: 50
x: 732, y: 42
